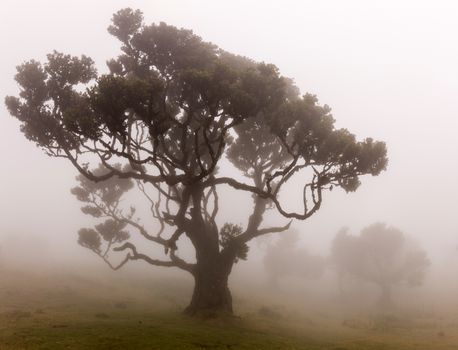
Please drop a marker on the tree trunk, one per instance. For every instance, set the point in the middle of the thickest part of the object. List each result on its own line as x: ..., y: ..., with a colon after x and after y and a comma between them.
x: 211, y: 296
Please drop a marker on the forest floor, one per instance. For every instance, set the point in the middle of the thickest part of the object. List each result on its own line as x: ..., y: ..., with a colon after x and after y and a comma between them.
x: 67, y: 311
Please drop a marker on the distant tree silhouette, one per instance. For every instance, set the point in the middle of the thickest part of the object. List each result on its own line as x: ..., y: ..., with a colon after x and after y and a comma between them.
x: 382, y: 255
x: 170, y: 109
x: 285, y: 259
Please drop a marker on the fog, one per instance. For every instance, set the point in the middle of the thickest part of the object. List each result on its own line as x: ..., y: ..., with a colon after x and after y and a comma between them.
x: 386, y: 68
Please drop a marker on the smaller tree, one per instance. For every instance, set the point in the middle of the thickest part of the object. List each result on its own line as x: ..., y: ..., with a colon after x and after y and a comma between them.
x: 382, y: 255
x: 286, y: 259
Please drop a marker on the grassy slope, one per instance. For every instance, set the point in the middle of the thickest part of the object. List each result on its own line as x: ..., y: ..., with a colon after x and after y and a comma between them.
x: 71, y: 313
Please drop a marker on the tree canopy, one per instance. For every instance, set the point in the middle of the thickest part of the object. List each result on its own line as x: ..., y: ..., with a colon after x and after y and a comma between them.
x: 382, y: 255
x: 169, y: 110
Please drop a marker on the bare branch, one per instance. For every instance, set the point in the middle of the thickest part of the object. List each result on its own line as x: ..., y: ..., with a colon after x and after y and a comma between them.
x: 245, y: 237
x: 134, y: 255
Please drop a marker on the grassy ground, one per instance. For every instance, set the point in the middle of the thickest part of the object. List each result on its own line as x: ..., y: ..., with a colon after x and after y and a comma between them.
x: 68, y: 312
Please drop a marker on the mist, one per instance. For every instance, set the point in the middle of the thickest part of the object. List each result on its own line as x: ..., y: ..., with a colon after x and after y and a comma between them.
x: 386, y: 69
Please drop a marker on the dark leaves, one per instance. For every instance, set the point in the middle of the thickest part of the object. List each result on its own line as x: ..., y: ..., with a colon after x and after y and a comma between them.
x: 31, y: 77
x: 90, y: 239
x: 228, y: 234
x: 112, y: 231
x: 50, y: 108
x: 108, y: 191
x: 125, y: 23
x: 90, y: 210
x: 64, y: 70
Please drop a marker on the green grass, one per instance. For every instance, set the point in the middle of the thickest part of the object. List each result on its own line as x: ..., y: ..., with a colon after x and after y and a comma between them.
x: 72, y: 313
x: 136, y: 330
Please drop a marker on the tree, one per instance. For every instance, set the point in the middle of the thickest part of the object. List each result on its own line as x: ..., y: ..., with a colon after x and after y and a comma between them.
x: 171, y: 108
x: 285, y: 259
x: 382, y: 255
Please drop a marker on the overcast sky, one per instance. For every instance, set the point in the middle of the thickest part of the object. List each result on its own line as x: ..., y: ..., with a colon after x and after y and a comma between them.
x: 388, y: 69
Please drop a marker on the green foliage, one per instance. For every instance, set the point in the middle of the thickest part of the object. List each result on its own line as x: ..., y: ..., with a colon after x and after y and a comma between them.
x: 49, y: 98
x: 89, y: 238
x: 228, y: 234
x: 114, y: 97
x: 166, y: 77
x: 125, y: 23
x: 256, y: 150
x: 110, y: 231
x: 109, y: 191
x: 102, y: 200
